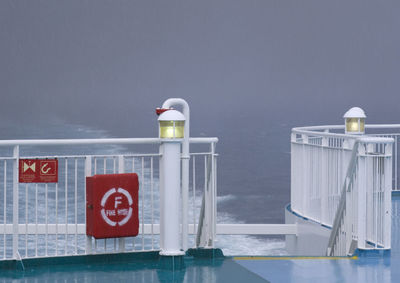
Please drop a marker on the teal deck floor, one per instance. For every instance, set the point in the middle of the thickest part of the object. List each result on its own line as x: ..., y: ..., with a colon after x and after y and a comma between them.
x: 144, y: 271
x: 368, y: 267
x: 145, y: 267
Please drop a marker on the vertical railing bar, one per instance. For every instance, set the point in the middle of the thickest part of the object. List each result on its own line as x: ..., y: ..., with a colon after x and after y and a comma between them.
x: 105, y: 165
x: 26, y: 220
x: 395, y: 162
x: 194, y: 197
x: 88, y: 173
x: 47, y: 216
x: 121, y: 169
x: 374, y: 192
x: 142, y: 185
x: 36, y: 219
x: 206, y: 205
x: 66, y: 206
x: 15, y: 201
x: 133, y: 171
x: 378, y: 194
x: 5, y: 206
x: 76, y: 204
x: 215, y: 195
x: 95, y: 166
x: 152, y: 203
x: 114, y: 171
x: 56, y: 188
x: 381, y: 186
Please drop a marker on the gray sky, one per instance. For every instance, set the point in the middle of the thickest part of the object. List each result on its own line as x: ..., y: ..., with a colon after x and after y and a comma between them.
x: 250, y: 70
x: 110, y: 63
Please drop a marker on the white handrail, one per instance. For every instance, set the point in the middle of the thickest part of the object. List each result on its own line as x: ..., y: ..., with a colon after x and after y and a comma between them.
x: 313, y: 130
x: 97, y: 141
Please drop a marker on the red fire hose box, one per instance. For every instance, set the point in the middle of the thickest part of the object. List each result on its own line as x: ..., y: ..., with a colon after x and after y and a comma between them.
x: 112, y: 205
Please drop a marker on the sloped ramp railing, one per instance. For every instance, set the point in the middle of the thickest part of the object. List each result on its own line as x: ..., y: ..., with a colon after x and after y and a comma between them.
x: 363, y: 216
x: 344, y: 182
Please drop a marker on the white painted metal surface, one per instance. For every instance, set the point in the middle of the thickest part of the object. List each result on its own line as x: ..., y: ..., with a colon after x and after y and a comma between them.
x: 320, y: 159
x: 49, y: 220
x: 170, y: 202
x: 185, y: 164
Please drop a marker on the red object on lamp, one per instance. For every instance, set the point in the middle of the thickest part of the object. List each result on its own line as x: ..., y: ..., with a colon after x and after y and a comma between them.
x: 159, y: 111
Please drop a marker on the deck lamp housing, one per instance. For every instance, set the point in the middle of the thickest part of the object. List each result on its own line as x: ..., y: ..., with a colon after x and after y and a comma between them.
x: 172, y: 124
x: 355, y: 121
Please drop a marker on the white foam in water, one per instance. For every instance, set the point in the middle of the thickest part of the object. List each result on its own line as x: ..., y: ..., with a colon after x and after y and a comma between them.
x: 230, y: 244
x: 226, y: 198
x: 234, y: 245
x: 242, y: 245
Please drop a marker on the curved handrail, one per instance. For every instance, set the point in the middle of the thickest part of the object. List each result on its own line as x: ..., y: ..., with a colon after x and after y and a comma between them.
x: 312, y: 130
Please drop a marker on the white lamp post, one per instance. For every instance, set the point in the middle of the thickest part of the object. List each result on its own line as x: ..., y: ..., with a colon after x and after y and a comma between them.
x: 355, y: 121
x: 171, y: 133
x: 171, y: 102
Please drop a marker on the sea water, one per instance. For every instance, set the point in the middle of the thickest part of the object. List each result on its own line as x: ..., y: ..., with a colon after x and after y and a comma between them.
x: 250, y: 190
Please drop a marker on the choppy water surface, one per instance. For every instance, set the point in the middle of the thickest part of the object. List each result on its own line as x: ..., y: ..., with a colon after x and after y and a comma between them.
x: 230, y: 206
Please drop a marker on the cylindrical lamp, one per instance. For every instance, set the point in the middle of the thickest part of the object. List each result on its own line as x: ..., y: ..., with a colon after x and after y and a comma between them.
x: 171, y: 132
x: 355, y: 121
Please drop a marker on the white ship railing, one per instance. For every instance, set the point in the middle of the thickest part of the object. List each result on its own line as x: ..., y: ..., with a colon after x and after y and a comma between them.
x: 46, y: 220
x: 41, y: 220
x: 325, y: 164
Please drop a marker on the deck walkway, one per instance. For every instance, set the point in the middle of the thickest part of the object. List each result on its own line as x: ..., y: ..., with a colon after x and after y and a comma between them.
x: 368, y: 267
x: 145, y: 267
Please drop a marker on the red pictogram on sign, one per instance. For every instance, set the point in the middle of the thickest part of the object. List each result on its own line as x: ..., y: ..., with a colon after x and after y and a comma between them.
x: 38, y: 170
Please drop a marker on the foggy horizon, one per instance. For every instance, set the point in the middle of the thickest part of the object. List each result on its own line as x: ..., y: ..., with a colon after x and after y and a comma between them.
x: 250, y: 71
x: 109, y: 64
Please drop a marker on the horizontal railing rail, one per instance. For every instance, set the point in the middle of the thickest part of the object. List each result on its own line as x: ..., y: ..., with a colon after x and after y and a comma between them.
x: 149, y: 229
x: 110, y: 141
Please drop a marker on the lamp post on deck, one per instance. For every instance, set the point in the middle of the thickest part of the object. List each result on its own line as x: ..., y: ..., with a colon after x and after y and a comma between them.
x: 171, y: 133
x: 171, y: 102
x: 355, y: 121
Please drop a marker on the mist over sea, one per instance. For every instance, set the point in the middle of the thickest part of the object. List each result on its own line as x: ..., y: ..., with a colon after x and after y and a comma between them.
x: 250, y: 72
x: 243, y: 197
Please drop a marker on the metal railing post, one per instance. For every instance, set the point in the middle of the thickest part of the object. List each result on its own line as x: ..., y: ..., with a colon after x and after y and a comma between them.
x: 121, y: 169
x: 361, y: 197
x: 324, y: 181
x: 387, y: 218
x: 213, y: 197
x: 15, y: 201
x: 88, y: 173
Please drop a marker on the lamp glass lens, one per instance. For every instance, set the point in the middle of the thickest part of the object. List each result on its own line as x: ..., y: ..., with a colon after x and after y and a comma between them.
x: 166, y: 129
x: 179, y: 129
x: 171, y: 129
x: 352, y: 125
